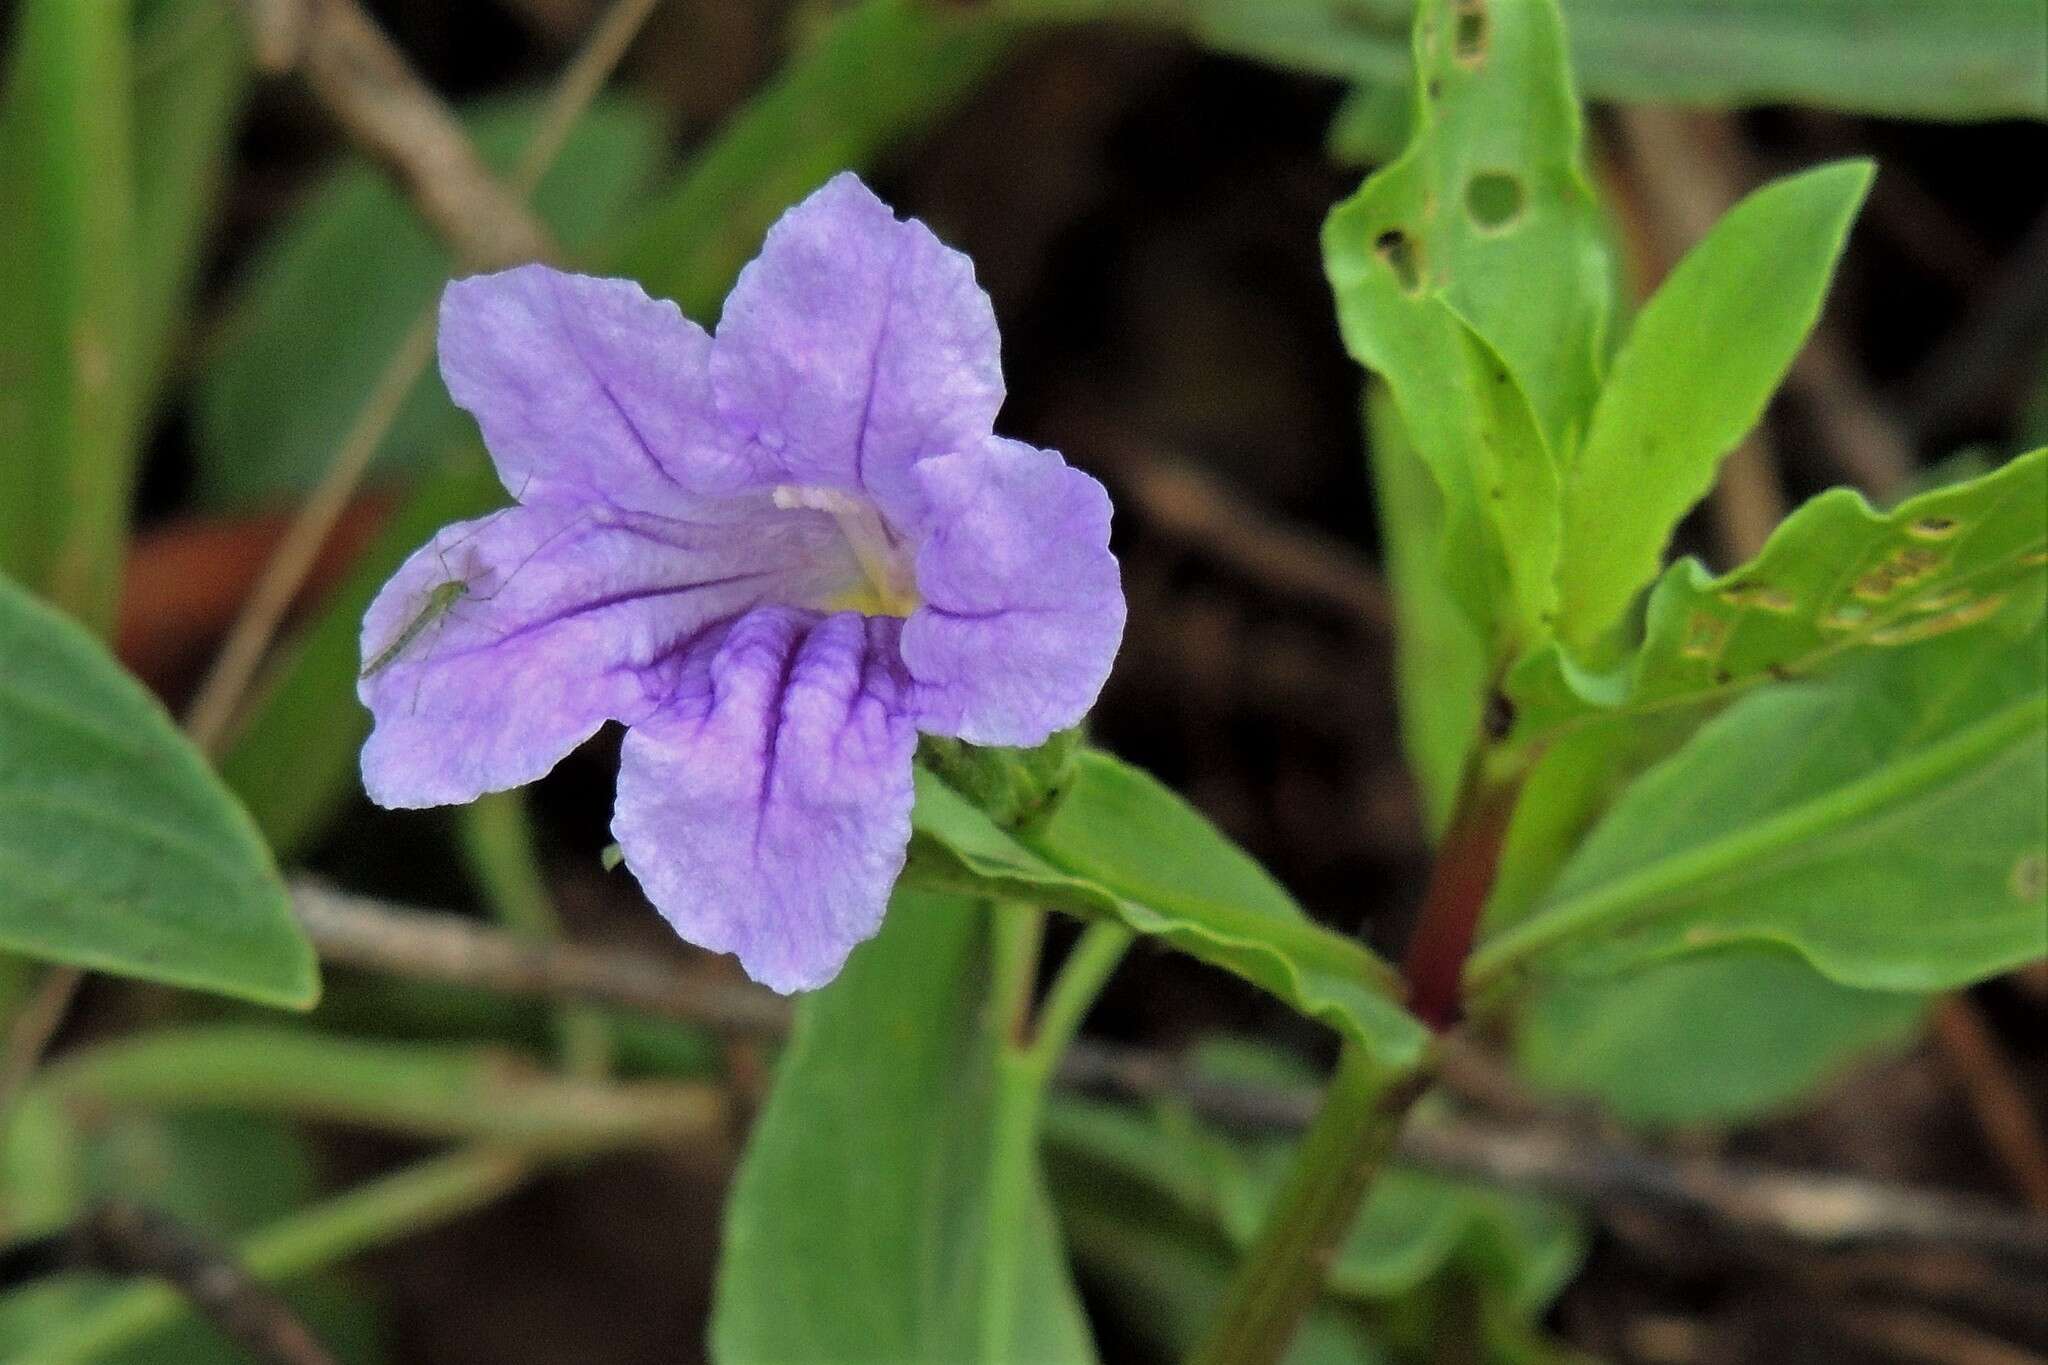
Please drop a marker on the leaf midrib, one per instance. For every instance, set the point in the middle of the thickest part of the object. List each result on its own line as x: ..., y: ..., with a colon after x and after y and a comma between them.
x: 1641, y: 891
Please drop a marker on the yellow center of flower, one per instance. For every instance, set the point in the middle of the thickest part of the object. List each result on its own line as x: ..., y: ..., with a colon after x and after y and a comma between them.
x: 888, y: 583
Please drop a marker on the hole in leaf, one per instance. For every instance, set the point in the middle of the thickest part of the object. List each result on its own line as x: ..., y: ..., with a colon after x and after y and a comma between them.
x: 1469, y: 32
x: 1494, y: 199
x: 1933, y: 528
x: 1402, y: 256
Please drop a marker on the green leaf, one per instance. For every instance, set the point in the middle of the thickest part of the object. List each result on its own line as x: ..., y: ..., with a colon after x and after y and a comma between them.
x: 1901, y: 58
x: 1693, y: 377
x: 1123, y: 846
x: 1887, y: 824
x: 1837, y: 577
x: 192, y: 74
x: 1472, y: 274
x: 1720, y: 1037
x: 326, y: 303
x: 294, y: 761
x: 857, y: 1227
x: 1574, y: 779
x: 870, y: 80
x: 120, y: 851
x: 1441, y: 668
x: 68, y: 409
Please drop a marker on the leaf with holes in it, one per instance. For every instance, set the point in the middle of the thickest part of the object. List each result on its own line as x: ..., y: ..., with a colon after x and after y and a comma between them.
x: 119, y: 849
x: 1836, y: 577
x: 1122, y: 847
x: 1889, y: 824
x: 1473, y: 275
x: 1691, y: 380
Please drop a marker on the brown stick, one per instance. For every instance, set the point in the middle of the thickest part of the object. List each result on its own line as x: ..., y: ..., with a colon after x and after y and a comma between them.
x: 1995, y: 1095
x: 1182, y: 502
x: 1804, y: 1209
x: 428, y: 945
x: 42, y: 1014
x: 392, y: 115
x: 131, y: 1240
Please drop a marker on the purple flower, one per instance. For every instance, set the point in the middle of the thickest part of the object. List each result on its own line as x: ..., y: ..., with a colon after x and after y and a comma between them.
x: 775, y: 555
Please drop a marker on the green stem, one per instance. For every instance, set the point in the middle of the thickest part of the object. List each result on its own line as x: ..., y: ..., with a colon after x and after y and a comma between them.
x: 1338, y: 1159
x: 1027, y: 1053
x: 1081, y: 978
x: 470, y: 1093
x: 1017, y: 936
x: 497, y: 838
x: 1012, y: 1177
x: 380, y: 1211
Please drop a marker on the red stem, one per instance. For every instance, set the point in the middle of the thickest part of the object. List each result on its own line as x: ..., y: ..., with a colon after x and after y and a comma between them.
x: 1459, y: 884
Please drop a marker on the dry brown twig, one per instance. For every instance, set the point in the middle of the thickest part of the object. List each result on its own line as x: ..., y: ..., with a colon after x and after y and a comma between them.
x: 396, y: 119
x: 1188, y: 505
x: 128, y: 1239
x: 2000, y: 1103
x: 41, y: 1015
x: 354, y: 931
x: 220, y: 696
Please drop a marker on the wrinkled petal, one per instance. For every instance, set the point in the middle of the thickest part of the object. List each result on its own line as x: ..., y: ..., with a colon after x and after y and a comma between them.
x: 766, y: 808
x: 564, y: 618
x: 1023, y: 607
x: 856, y: 344
x: 586, y: 389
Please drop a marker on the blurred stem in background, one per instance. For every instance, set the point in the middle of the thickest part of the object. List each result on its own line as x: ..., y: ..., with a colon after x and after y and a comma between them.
x: 1029, y: 1047
x: 369, y: 1215
x: 497, y: 838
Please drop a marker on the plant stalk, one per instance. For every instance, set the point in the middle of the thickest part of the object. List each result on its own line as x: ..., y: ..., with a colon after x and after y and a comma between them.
x: 1459, y: 885
x: 1339, y: 1157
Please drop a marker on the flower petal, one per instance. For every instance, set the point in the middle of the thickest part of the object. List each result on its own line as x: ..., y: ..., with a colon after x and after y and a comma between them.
x: 856, y: 344
x: 766, y: 808
x: 558, y: 619
x: 586, y: 389
x: 1023, y: 607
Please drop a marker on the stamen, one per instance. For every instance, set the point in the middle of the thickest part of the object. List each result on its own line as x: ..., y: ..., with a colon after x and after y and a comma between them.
x: 891, y: 582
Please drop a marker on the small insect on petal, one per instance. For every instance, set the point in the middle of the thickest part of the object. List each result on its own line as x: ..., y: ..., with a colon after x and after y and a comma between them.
x: 440, y: 599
